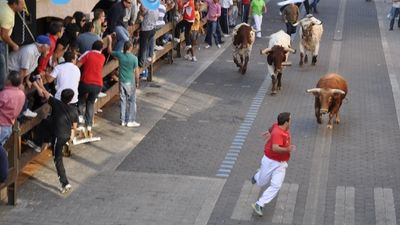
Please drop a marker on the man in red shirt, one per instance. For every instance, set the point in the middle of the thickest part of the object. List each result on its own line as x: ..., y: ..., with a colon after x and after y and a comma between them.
x: 91, y: 82
x: 274, y: 162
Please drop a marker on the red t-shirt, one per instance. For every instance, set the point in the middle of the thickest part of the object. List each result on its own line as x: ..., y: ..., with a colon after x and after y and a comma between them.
x: 44, y: 61
x: 280, y: 137
x: 188, y: 10
x: 92, y: 62
x: 246, y: 2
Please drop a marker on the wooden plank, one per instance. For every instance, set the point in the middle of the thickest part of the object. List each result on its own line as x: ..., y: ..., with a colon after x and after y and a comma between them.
x: 42, y: 112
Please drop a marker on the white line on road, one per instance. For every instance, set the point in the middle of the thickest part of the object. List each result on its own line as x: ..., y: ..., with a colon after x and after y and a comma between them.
x: 344, y: 206
x: 286, y: 202
x: 385, y: 213
x: 248, y: 195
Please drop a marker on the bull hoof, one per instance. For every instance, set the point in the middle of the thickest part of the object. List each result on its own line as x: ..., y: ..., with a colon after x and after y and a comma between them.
x: 337, y: 121
x: 319, y: 120
x: 301, y: 63
x: 329, y: 126
x: 273, y: 93
x: 305, y: 59
x: 243, y: 71
x: 279, y: 88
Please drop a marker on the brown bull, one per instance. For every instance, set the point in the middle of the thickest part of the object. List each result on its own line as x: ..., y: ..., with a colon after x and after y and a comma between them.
x: 243, y: 39
x: 329, y: 94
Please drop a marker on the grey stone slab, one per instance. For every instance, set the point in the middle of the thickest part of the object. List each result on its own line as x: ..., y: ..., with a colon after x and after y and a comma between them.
x: 248, y: 195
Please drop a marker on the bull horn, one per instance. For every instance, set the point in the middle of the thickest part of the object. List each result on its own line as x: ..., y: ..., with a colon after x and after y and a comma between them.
x: 286, y: 63
x: 265, y: 51
x: 314, y: 90
x: 290, y: 50
x: 337, y: 91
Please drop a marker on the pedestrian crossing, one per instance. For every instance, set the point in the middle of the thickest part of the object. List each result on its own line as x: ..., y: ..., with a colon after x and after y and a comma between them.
x: 285, y: 205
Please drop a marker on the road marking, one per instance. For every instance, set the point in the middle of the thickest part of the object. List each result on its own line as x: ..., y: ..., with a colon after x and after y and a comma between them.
x: 286, y: 202
x: 248, y: 195
x: 344, y: 206
x: 385, y: 213
x: 244, y: 128
x: 315, y: 202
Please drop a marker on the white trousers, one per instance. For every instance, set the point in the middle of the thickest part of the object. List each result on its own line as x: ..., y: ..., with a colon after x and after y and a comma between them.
x: 257, y: 24
x: 271, y: 171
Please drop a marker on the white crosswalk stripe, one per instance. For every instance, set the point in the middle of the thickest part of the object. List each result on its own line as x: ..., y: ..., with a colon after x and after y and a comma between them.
x: 344, y: 206
x: 385, y: 213
x: 248, y: 195
x: 286, y: 202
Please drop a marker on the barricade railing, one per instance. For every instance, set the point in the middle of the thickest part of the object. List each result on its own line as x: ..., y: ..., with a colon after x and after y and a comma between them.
x: 13, y: 145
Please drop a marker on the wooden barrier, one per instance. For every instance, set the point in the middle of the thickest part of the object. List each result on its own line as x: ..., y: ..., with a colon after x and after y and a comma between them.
x: 14, y: 155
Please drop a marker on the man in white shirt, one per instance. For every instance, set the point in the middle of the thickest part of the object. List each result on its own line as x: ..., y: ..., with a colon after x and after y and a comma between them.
x: 226, y: 5
x: 67, y: 75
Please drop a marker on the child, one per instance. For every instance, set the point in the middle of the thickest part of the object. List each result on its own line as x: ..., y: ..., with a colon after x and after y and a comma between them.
x: 196, y: 30
x: 257, y: 8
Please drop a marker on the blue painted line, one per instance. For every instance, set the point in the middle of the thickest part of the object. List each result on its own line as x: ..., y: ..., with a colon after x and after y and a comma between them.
x: 224, y: 170
x: 241, y: 135
x: 231, y: 158
x: 222, y: 175
x: 228, y: 162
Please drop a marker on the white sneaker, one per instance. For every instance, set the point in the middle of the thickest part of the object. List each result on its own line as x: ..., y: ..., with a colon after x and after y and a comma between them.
x: 102, y: 95
x: 177, y: 40
x: 188, y: 47
x: 149, y: 59
x: 29, y: 113
x: 81, y: 120
x: 194, y: 59
x: 158, y: 48
x: 218, y: 45
x: 34, y: 146
x: 123, y: 124
x: 65, y: 189
x: 227, y: 35
x: 207, y: 46
x: 133, y: 124
x: 188, y: 57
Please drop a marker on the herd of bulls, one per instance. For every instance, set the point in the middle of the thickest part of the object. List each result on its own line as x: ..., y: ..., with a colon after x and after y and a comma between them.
x: 331, y: 89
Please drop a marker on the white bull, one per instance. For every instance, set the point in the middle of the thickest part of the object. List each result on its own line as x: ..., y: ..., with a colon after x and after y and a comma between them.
x: 310, y: 36
x: 277, y: 57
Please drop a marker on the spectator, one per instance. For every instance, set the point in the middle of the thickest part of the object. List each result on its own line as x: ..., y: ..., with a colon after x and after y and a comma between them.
x: 86, y: 39
x: 25, y: 61
x: 195, y: 32
x: 162, y: 9
x: 56, y: 31
x: 290, y: 16
x: 119, y: 20
x: 226, y: 6
x: 313, y: 6
x: 147, y: 32
x: 233, y: 14
x: 67, y: 76
x: 257, y: 8
x: 91, y: 82
x: 12, y: 100
x: 188, y: 8
x: 7, y: 21
x: 68, y: 20
x: 63, y: 118
x: 80, y: 20
x: 245, y: 10
x: 214, y: 12
x: 395, y: 11
x: 98, y: 19
x: 128, y: 71
x: 67, y: 41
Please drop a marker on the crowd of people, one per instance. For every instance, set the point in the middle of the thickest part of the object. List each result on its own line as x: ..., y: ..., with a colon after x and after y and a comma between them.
x: 64, y: 66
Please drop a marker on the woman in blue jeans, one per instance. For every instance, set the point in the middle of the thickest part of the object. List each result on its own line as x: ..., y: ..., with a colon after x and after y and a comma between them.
x: 128, y: 71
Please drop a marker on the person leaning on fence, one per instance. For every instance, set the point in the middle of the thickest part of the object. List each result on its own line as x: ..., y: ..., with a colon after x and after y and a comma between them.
x: 12, y: 99
x: 25, y: 61
x: 146, y: 35
x: 91, y: 83
x: 7, y: 21
x: 63, y: 118
x: 277, y: 152
x: 86, y: 39
x: 128, y: 76
x: 118, y: 21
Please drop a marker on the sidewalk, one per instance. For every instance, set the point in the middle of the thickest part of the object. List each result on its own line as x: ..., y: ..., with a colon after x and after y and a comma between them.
x: 98, y: 191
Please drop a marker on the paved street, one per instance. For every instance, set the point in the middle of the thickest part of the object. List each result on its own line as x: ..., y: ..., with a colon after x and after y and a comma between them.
x: 200, y: 140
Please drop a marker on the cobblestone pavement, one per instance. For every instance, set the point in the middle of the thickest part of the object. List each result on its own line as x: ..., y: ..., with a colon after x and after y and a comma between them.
x: 165, y: 171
